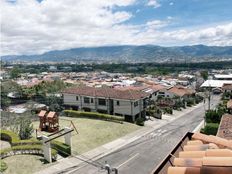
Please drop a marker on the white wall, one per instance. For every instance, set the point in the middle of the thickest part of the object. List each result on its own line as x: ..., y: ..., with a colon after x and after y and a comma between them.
x: 126, y: 107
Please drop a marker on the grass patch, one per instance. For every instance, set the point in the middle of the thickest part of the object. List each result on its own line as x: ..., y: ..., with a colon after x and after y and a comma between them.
x: 24, y: 164
x: 93, y: 133
x: 3, y: 166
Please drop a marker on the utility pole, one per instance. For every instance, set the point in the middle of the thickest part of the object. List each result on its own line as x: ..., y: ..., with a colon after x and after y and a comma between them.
x: 209, y: 97
x: 108, y: 168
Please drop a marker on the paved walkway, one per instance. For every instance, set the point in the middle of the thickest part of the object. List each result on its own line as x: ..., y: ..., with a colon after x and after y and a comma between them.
x: 67, y: 164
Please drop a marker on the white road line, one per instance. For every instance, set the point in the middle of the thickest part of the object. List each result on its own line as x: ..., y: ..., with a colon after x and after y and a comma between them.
x: 128, y: 160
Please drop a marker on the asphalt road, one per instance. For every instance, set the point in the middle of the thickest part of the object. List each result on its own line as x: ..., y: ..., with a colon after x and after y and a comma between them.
x: 141, y: 156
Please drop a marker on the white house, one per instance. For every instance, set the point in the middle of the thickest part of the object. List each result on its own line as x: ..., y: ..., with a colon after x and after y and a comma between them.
x: 129, y: 103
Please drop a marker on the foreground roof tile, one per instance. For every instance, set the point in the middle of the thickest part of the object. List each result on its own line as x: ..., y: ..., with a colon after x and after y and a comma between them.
x: 183, y: 170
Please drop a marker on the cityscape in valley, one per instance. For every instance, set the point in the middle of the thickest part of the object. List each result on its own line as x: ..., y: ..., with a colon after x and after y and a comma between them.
x: 116, y: 87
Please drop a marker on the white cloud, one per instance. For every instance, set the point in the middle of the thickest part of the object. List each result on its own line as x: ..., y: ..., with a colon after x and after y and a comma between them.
x: 29, y: 27
x: 154, y: 3
x: 171, y: 3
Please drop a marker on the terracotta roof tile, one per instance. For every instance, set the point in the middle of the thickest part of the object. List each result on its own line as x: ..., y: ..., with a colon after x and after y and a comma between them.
x: 194, y: 142
x: 188, y: 162
x: 107, y: 92
x: 181, y: 91
x: 218, y: 153
x: 183, y: 170
x: 217, y: 161
x: 191, y: 154
x: 216, y: 170
x: 202, y: 147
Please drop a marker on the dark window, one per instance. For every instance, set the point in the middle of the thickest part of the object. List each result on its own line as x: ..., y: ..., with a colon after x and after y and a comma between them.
x: 91, y: 100
x: 118, y: 103
x: 136, y: 104
x: 86, y: 99
x: 76, y: 97
x: 101, y: 101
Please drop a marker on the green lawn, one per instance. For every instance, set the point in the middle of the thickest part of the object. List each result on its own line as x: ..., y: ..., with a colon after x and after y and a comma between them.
x: 24, y: 164
x: 93, y: 133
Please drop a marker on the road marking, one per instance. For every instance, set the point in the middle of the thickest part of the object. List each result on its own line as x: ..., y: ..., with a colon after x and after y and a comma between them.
x: 128, y: 160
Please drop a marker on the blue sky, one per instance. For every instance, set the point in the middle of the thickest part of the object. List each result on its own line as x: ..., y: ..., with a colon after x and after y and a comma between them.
x: 185, y: 13
x: 37, y: 26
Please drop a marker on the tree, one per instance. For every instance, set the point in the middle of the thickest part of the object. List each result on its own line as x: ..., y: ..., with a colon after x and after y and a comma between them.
x: 204, y: 75
x: 25, y: 128
x: 15, y: 73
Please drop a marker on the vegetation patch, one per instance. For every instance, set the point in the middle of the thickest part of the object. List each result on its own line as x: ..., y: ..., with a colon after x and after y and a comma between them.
x: 93, y: 115
x: 62, y: 148
x: 3, y: 166
x: 210, y: 129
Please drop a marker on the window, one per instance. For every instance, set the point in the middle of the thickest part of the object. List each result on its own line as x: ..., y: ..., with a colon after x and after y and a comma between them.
x: 91, y: 100
x: 76, y: 98
x: 86, y: 99
x: 101, y: 101
x: 118, y: 103
x: 136, y: 103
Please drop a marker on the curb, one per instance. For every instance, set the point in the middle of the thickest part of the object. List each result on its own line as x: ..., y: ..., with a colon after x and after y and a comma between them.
x: 132, y: 139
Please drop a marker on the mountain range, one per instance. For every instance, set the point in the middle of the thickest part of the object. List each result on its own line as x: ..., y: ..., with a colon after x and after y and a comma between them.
x: 128, y: 53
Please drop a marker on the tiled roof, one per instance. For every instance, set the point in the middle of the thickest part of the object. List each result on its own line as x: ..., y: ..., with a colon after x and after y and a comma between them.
x: 225, y: 128
x: 203, y: 155
x: 157, y: 87
x: 181, y: 91
x: 227, y: 86
x: 107, y: 92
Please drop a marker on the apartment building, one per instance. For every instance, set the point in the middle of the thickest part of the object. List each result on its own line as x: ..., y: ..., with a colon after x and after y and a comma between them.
x: 130, y: 103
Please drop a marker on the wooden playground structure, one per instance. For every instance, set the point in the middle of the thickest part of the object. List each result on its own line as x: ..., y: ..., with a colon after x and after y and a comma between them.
x: 49, y: 121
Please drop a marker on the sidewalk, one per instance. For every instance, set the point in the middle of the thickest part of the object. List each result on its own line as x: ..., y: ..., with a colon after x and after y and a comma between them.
x: 68, y: 164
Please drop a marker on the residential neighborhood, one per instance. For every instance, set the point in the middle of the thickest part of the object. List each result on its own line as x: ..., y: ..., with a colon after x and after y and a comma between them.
x: 116, y: 87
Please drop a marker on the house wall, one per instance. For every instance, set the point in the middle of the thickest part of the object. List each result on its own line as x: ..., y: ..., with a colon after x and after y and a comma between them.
x: 70, y: 99
x: 125, y: 107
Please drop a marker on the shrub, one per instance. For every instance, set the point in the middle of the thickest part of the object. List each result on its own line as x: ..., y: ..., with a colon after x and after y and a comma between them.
x: 211, y: 128
x: 190, y: 102
x: 62, y: 148
x: 168, y: 110
x: 25, y: 128
x: 140, y: 121
x: 14, y: 139
x: 9, y: 136
x: 3, y: 166
x: 212, y: 116
x: 94, y: 115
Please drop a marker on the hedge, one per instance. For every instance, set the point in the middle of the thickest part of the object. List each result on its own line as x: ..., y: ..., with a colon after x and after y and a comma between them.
x: 210, y: 129
x: 140, y: 121
x: 62, y: 148
x: 9, y: 136
x: 213, y: 116
x: 14, y: 139
x: 94, y: 115
x: 3, y: 166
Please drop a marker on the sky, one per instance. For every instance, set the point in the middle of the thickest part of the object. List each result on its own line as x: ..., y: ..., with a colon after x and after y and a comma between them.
x: 37, y: 26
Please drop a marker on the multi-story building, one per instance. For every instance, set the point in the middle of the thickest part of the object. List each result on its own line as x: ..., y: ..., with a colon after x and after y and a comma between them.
x: 130, y: 103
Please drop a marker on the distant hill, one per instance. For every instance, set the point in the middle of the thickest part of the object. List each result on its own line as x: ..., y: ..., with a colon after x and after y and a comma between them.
x: 144, y: 53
